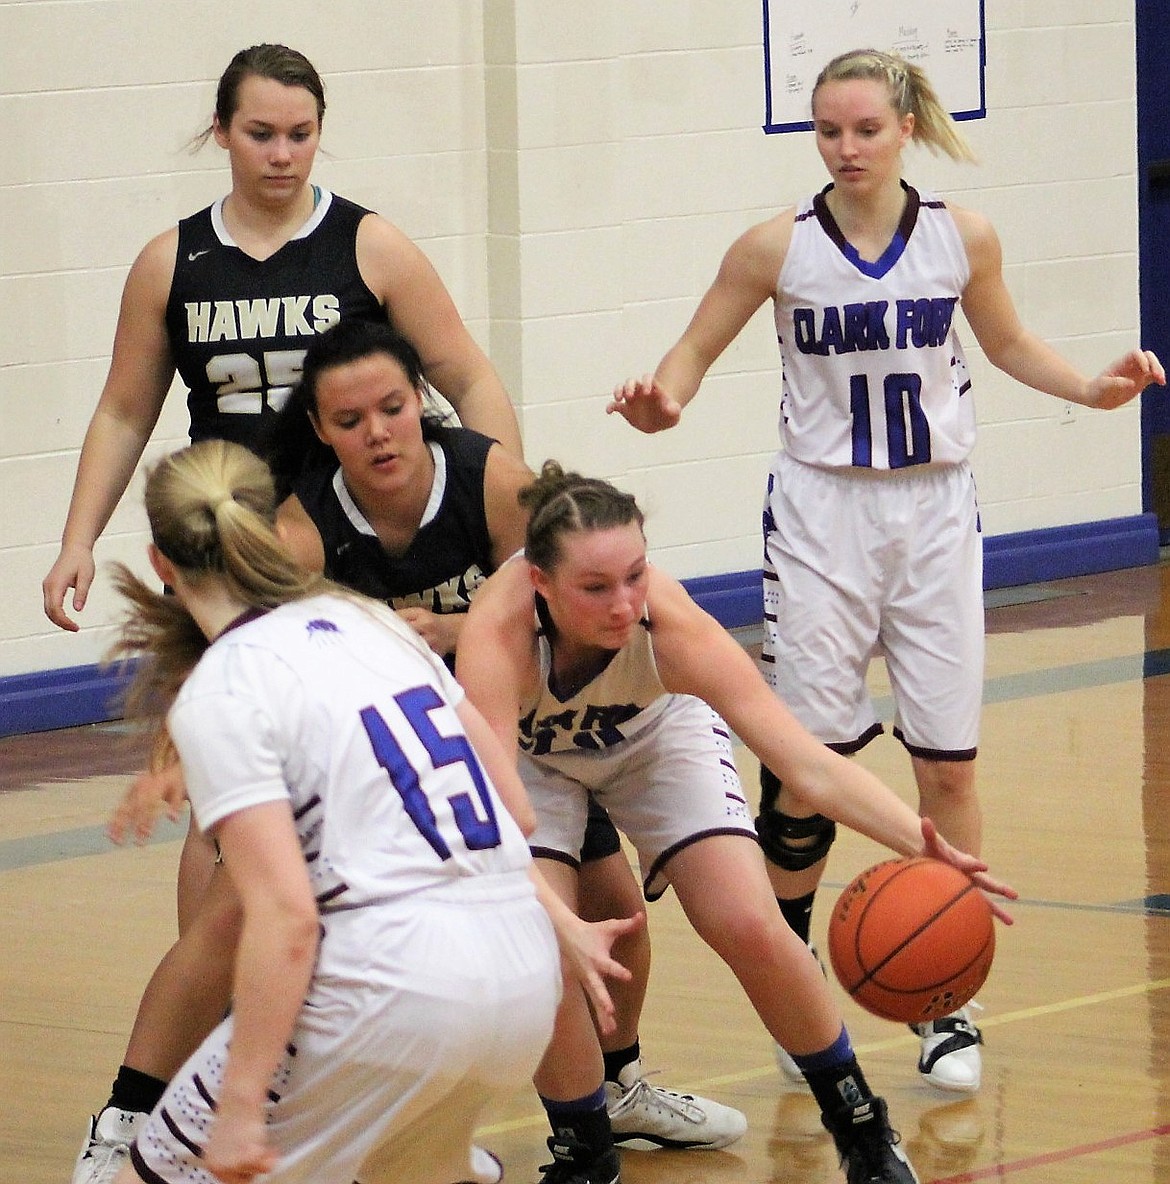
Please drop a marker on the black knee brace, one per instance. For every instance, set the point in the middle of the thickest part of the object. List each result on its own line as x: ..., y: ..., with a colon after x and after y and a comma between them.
x: 793, y: 844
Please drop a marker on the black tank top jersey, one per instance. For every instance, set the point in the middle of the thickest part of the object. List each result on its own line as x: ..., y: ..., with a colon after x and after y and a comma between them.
x: 449, y: 556
x: 238, y: 326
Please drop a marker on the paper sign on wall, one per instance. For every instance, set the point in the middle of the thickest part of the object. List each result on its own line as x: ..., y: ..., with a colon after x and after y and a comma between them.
x: 945, y: 38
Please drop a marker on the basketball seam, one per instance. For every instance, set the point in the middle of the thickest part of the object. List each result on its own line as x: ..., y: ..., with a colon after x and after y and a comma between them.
x: 869, y: 974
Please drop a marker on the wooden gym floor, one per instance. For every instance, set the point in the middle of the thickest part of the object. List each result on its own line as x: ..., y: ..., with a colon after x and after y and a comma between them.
x: 1075, y: 778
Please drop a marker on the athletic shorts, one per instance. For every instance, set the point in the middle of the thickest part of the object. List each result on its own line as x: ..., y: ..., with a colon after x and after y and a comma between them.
x: 421, y: 1013
x: 668, y: 786
x: 859, y: 563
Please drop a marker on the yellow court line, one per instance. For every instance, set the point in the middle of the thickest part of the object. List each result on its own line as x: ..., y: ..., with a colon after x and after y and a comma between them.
x: 996, y: 1021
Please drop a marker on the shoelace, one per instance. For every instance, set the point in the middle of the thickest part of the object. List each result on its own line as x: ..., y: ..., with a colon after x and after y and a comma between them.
x: 104, y: 1153
x: 665, y: 1099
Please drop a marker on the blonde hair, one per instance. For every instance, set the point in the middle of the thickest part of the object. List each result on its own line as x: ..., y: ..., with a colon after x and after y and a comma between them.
x: 910, y: 94
x: 212, y: 509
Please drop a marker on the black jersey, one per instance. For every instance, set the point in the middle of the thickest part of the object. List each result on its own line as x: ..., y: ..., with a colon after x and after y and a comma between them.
x: 238, y: 326
x: 449, y: 556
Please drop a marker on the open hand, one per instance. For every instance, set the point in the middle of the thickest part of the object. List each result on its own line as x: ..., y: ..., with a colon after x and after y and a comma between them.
x: 645, y: 405
x: 1126, y: 379
x: 150, y: 793
x: 585, y: 950
x: 938, y: 848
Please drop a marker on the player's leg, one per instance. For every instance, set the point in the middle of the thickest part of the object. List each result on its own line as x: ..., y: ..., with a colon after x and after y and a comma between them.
x: 570, y: 1076
x: 185, y: 998
x: 643, y: 1116
x: 197, y: 861
x: 950, y: 1056
x: 725, y: 892
x: 821, y: 619
x: 608, y: 888
x: 947, y: 796
x: 822, y: 612
x: 934, y: 645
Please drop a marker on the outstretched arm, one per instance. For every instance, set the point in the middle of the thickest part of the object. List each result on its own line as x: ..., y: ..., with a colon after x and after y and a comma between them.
x: 747, y: 277
x: 585, y: 947
x: 697, y: 656
x: 1018, y: 352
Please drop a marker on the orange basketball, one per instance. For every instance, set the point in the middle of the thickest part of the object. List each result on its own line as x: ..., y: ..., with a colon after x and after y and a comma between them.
x: 911, y: 939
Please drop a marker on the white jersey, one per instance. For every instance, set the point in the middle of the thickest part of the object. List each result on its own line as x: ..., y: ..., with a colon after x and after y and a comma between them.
x: 318, y: 702
x: 873, y: 372
x: 615, y: 705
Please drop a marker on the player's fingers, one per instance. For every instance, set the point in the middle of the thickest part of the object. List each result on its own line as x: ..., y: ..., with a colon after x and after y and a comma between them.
x: 603, y: 1007
x: 116, y: 827
x: 54, y: 604
x: 999, y: 912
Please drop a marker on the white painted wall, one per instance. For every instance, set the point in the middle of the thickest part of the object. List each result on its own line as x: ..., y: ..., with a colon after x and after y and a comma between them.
x: 575, y: 172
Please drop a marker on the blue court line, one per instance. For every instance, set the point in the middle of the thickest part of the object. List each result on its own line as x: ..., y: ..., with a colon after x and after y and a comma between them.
x: 1078, y: 676
x: 92, y: 840
x: 74, y: 844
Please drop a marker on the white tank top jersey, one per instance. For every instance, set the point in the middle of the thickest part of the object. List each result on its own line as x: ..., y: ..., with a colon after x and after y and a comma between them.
x: 615, y: 705
x: 342, y: 709
x: 873, y: 371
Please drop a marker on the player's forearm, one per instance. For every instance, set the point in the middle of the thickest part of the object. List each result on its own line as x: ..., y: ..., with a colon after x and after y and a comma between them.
x: 1036, y: 364
x: 112, y: 450
x: 822, y: 780
x: 843, y: 790
x: 681, y: 372
x: 484, y: 406
x: 274, y: 965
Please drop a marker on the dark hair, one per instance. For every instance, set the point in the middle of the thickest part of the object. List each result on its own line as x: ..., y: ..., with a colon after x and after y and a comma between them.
x: 287, y: 66
x: 290, y: 445
x: 562, y: 503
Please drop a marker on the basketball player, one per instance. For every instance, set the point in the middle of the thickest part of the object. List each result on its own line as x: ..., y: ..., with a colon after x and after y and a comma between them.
x: 396, y: 973
x: 397, y: 505
x: 871, y: 526
x: 229, y: 299
x: 385, y: 497
x: 418, y: 514
x: 604, y: 673
x: 232, y: 295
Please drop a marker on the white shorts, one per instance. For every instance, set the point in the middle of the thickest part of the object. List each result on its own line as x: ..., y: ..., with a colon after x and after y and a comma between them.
x: 858, y: 563
x: 668, y: 786
x: 421, y: 1013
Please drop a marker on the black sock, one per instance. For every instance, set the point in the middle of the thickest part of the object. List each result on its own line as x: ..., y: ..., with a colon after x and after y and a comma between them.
x: 136, y: 1091
x: 842, y: 1085
x: 585, y: 1118
x: 834, y: 1076
x: 798, y: 914
x: 617, y: 1060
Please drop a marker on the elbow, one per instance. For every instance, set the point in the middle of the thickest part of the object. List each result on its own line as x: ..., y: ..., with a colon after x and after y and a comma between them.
x: 302, y: 935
